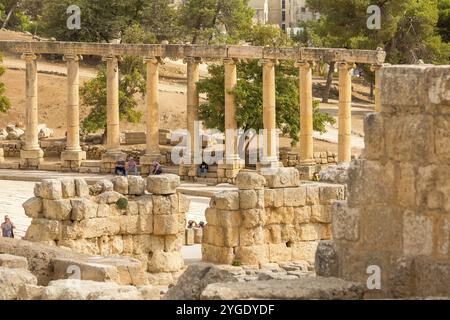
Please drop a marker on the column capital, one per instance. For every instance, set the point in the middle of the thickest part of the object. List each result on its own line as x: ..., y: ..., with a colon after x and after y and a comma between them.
x: 268, y: 62
x: 346, y: 65
x: 73, y: 57
x: 192, y: 60
x: 153, y: 60
x: 112, y: 58
x: 230, y: 60
x: 304, y: 64
x: 29, y: 56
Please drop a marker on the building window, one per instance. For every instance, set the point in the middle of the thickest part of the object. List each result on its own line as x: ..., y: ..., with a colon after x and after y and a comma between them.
x: 283, y: 27
x: 303, y: 9
x: 283, y: 4
x: 283, y: 16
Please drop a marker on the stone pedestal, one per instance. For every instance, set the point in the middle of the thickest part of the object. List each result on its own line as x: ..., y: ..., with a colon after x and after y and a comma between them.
x: 31, y: 155
x: 109, y: 160
x: 146, y: 163
x: 71, y: 159
x: 2, y: 156
x: 307, y: 170
x: 228, y: 170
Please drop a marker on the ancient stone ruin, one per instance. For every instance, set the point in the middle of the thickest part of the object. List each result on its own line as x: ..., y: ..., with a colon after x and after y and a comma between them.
x: 272, y: 218
x: 114, y: 217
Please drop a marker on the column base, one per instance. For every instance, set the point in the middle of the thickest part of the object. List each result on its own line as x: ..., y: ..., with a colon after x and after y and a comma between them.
x: 228, y: 169
x: 30, y: 159
x: 307, y: 170
x: 71, y: 160
x: 109, y: 160
x: 146, y: 162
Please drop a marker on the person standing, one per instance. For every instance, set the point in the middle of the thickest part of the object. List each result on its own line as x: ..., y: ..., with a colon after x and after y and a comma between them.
x: 8, y: 228
x: 132, y: 167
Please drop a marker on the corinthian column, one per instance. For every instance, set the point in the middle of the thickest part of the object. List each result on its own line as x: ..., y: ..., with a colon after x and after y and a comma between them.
x: 231, y: 153
x: 192, y: 109
x: 31, y: 155
x: 73, y: 154
x: 306, y: 112
x: 345, y: 112
x: 113, y: 152
x: 269, y: 157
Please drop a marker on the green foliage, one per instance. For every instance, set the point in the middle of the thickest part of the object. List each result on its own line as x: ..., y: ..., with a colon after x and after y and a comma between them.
x: 218, y: 21
x: 444, y: 20
x: 408, y: 31
x: 236, y: 263
x: 122, y: 203
x: 160, y: 18
x: 5, y: 104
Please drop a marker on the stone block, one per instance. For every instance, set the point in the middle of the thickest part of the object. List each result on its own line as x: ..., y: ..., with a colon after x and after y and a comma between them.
x: 279, y: 252
x: 321, y: 214
x: 406, y: 185
x: 166, y: 224
x: 310, y: 232
x: 50, y: 189
x: 250, y: 181
x: 33, y: 207
x: 165, y: 204
x: 198, y: 235
x: 442, y: 136
x: 302, y: 215
x: 252, y: 255
x: 417, y: 234
x: 145, y: 205
x: 250, y: 236
x: 215, y: 254
x: 98, y: 227
x: 13, y: 262
x: 326, y: 259
x: 272, y: 233
x: 57, y: 209
x: 374, y: 136
x: 247, y: 199
x: 329, y: 193
x: 136, y: 185
x: 42, y: 230
x: 225, y: 200
x: 68, y: 188
x: 304, y: 250
x: 81, y: 188
x: 183, y: 203
x: 132, y: 208
x: 252, y: 217
x: 345, y: 222
x: 163, y: 184
x: 295, y: 197
x: 312, y: 194
x: 145, y: 224
x: 229, y: 219
x: 128, y: 225
x: 211, y: 216
x: 165, y: 262
x: 109, y: 197
x: 281, y: 177
x: 83, y: 209
x: 120, y: 184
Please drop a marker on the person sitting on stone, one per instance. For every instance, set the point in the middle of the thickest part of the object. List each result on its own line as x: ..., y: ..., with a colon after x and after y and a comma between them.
x: 132, y: 167
x: 120, y: 167
x: 8, y: 228
x: 157, y: 168
x: 203, y: 170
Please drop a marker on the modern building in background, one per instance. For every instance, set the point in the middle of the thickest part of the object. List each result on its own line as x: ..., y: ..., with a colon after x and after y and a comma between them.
x: 285, y: 13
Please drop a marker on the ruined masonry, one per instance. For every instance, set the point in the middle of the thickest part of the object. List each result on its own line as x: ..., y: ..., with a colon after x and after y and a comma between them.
x: 116, y: 217
x: 397, y: 215
x: 272, y: 218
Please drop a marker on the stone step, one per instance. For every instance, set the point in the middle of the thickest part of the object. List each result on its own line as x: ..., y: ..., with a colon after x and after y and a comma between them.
x: 207, y: 181
x: 172, y: 170
x: 89, y: 170
x: 9, y: 165
x: 91, y: 163
x: 50, y: 166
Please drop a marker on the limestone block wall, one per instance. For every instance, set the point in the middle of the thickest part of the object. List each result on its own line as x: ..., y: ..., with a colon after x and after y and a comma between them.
x: 272, y: 218
x: 149, y: 226
x: 292, y: 159
x: 397, y: 216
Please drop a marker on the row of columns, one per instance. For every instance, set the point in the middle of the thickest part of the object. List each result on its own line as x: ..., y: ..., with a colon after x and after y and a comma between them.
x: 32, y: 155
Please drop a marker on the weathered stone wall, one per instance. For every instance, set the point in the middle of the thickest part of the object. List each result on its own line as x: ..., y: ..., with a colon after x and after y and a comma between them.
x: 272, y: 218
x: 397, y: 216
x: 292, y: 159
x: 66, y: 213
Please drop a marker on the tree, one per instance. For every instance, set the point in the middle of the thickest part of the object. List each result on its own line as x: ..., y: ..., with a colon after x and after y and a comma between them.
x: 443, y: 24
x: 248, y: 93
x: 408, y: 31
x: 206, y: 21
x: 101, y: 21
x: 5, y: 104
x: 160, y: 18
x: 131, y: 83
